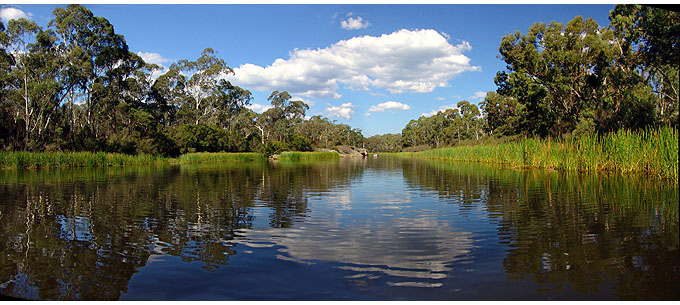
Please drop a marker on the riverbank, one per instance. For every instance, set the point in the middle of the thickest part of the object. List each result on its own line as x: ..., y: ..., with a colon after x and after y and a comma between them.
x: 651, y: 152
x: 32, y: 160
x: 36, y: 160
x: 307, y: 155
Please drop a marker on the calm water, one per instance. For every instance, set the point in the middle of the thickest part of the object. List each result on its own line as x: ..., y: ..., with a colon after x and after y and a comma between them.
x: 353, y: 229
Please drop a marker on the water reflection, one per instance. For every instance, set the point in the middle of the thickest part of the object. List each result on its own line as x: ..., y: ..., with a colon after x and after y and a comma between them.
x: 406, y: 224
x: 574, y: 231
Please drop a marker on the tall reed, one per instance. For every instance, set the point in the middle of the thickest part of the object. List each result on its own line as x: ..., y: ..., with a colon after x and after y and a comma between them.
x: 652, y: 152
x: 311, y: 155
x: 220, y: 157
x: 21, y: 160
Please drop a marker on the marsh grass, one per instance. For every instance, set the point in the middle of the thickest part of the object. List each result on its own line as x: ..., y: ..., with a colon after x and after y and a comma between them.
x: 33, y: 160
x: 651, y: 152
x: 220, y: 157
x: 36, y: 160
x: 311, y: 155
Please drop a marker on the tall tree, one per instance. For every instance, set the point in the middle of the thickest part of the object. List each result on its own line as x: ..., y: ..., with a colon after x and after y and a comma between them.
x: 202, y: 81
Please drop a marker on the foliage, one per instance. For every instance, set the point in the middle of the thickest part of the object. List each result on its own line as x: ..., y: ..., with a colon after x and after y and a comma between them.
x: 298, y: 143
x: 273, y: 148
x: 445, y: 128
x: 384, y: 143
x: 582, y: 78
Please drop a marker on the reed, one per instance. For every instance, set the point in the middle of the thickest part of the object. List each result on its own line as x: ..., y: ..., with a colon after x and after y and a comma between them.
x: 651, y: 152
x: 32, y: 160
x: 311, y: 155
x: 220, y: 157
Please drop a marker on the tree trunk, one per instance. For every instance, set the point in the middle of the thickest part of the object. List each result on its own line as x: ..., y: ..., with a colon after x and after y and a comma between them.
x: 26, y: 119
x: 73, y: 137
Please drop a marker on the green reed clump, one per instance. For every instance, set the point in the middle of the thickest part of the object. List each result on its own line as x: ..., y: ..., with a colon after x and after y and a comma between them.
x: 22, y: 160
x: 220, y: 157
x: 311, y: 155
x: 652, y: 152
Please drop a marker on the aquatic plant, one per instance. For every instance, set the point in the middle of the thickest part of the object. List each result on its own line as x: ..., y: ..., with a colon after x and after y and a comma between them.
x: 652, y: 151
x: 311, y: 155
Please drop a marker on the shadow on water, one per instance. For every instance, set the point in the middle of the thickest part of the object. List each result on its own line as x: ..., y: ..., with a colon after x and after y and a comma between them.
x: 375, y: 228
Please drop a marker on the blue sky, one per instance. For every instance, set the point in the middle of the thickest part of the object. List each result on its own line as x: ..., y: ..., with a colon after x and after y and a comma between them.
x: 374, y: 67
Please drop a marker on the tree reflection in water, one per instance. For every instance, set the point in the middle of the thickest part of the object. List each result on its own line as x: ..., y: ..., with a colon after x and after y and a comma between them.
x: 84, y: 233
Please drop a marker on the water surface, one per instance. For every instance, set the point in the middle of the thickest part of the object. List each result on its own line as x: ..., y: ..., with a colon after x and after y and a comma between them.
x: 350, y: 229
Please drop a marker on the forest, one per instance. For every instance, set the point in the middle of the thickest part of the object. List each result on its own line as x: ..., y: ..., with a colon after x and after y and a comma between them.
x: 75, y: 86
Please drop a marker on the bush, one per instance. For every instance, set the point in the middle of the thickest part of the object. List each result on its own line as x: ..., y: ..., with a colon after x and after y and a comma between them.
x: 298, y: 143
x: 274, y: 147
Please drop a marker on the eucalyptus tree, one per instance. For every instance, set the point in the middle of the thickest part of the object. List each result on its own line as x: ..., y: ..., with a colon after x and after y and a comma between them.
x: 578, y: 77
x: 384, y: 143
x: 202, y: 80
x: 35, y: 82
x: 504, y: 114
x: 279, y: 121
x: 7, y: 127
x: 21, y: 33
x: 230, y: 101
x: 91, y: 50
x: 650, y: 37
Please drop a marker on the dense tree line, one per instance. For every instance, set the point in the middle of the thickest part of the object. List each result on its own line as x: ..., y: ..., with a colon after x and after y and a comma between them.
x: 75, y: 85
x: 585, y: 78
x: 570, y: 79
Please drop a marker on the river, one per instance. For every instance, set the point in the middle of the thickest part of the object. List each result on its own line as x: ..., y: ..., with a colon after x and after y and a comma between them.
x: 351, y: 229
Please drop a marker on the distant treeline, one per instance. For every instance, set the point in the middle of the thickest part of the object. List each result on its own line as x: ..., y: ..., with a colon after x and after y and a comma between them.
x: 567, y: 80
x: 75, y: 86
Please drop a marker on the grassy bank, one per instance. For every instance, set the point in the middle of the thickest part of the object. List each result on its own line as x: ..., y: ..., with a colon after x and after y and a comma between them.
x: 220, y: 157
x: 312, y: 155
x: 73, y: 159
x: 34, y: 160
x: 651, y: 152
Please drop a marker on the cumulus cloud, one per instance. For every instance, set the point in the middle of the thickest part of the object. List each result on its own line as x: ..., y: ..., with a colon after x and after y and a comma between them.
x: 403, y: 61
x: 478, y: 95
x: 354, y: 23
x: 153, y: 58
x: 441, y: 108
x: 9, y: 13
x: 343, y: 111
x: 156, y: 59
x: 259, y: 108
x: 391, y: 105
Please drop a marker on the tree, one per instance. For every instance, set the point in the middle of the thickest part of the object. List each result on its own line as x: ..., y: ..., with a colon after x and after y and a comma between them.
x: 280, y: 120
x: 504, y: 114
x: 651, y: 37
x: 202, y: 83
x: 91, y: 50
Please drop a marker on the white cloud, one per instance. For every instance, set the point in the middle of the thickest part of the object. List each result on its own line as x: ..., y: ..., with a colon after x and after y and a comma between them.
x: 478, y: 95
x: 258, y: 107
x: 344, y: 111
x: 156, y: 59
x: 9, y: 13
x: 441, y: 108
x: 354, y: 23
x: 153, y: 58
x: 391, y: 105
x: 367, y: 114
x: 445, y: 35
x: 403, y: 61
x: 439, y: 98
